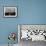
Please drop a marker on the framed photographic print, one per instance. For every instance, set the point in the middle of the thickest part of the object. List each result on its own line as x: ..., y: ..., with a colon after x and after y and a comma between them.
x: 33, y: 32
x: 10, y: 11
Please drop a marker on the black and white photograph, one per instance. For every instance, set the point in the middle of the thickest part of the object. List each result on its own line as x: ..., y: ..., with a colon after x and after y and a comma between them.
x: 30, y: 34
